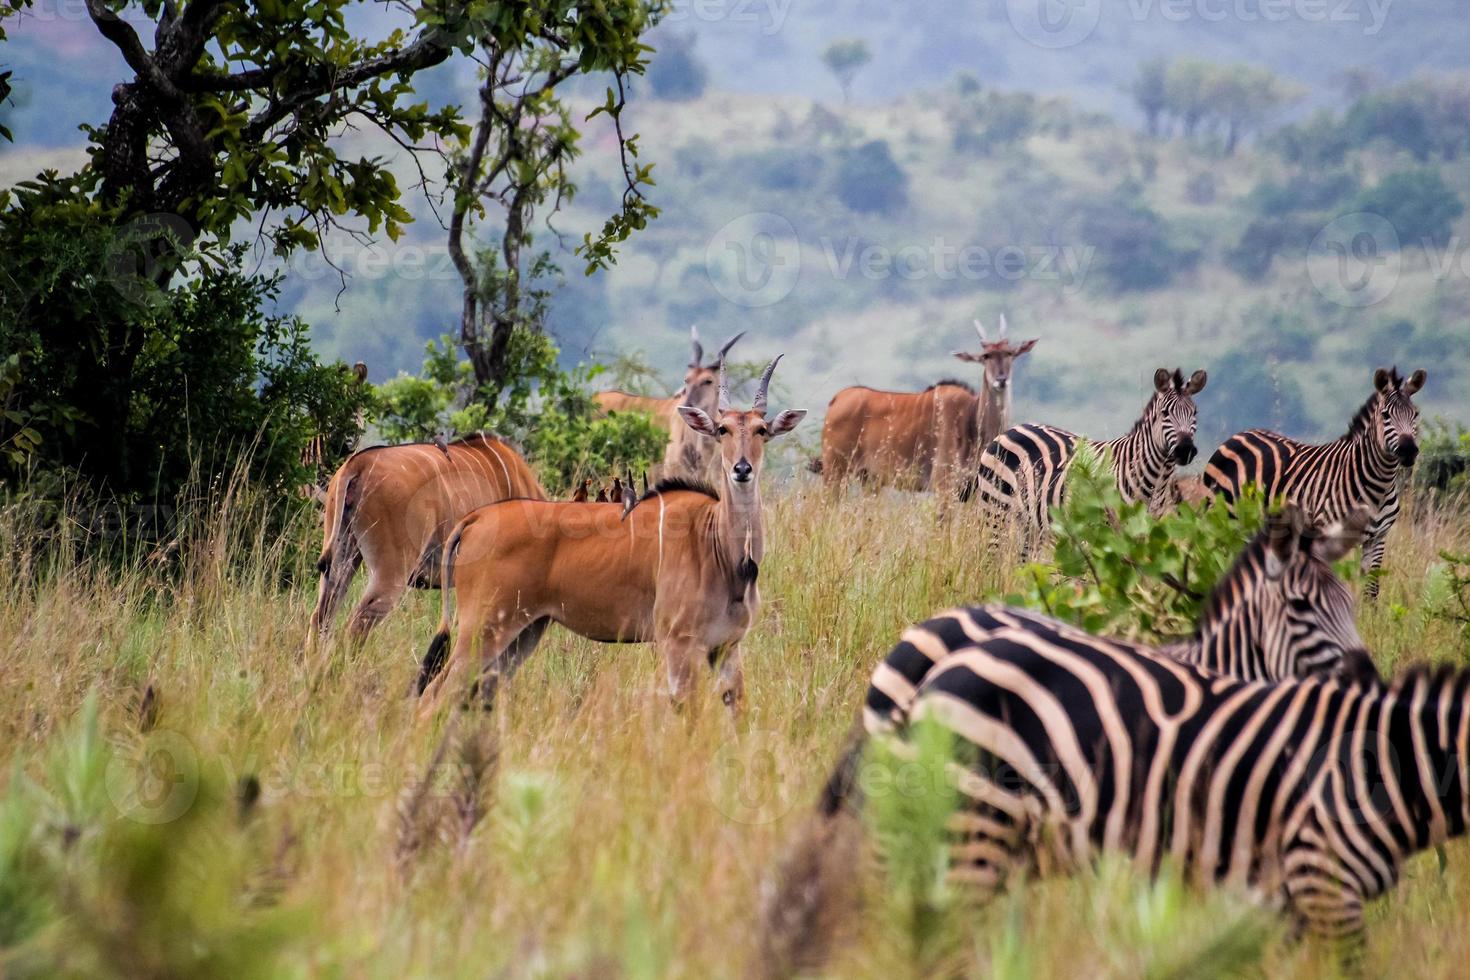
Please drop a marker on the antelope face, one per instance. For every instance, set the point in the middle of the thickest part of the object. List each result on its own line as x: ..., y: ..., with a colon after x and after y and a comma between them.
x: 1398, y: 418
x: 1309, y: 611
x: 742, y: 435
x: 1176, y: 417
x: 999, y: 359
x: 701, y: 381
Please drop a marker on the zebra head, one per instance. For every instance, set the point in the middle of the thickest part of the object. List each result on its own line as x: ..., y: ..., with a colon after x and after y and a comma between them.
x: 1174, y: 413
x: 1398, y: 419
x: 998, y: 356
x: 1306, y: 614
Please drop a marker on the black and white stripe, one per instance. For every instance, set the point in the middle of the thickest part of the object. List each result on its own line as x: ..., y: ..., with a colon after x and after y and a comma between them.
x: 1023, y: 472
x: 1305, y: 792
x: 1360, y: 470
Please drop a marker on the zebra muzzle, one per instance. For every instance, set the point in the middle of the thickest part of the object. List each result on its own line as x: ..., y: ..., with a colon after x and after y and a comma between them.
x: 1184, y: 452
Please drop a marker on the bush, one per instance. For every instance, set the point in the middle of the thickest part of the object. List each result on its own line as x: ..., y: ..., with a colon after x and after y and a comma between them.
x: 545, y: 410
x: 870, y: 181
x: 1443, y: 467
x: 1308, y: 191
x: 138, y: 389
x: 1117, y: 571
x: 1418, y: 203
x: 1132, y: 241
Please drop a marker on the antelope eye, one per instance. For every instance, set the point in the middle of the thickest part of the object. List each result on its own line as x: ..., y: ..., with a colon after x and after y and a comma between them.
x: 762, y: 431
x: 722, y: 431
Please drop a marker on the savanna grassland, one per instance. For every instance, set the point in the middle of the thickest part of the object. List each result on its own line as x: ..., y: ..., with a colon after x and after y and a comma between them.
x: 187, y: 796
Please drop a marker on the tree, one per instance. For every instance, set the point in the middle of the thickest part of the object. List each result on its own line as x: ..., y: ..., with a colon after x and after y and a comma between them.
x: 517, y: 156
x: 1418, y: 203
x: 1244, y: 96
x: 676, y: 73
x: 1150, y: 92
x: 1186, y: 98
x: 869, y: 180
x: 843, y: 59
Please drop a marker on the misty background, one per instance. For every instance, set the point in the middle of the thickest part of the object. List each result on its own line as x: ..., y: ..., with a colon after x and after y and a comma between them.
x: 985, y: 158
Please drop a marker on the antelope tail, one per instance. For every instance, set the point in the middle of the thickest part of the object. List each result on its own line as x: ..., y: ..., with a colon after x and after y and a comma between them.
x: 438, y: 652
x: 338, y: 511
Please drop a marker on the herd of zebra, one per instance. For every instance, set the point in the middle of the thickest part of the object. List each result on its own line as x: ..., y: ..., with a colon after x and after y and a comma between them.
x: 1266, y: 752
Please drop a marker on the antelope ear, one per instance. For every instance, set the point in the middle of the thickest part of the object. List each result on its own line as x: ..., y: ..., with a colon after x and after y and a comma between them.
x: 1283, y: 538
x: 786, y: 421
x: 1162, y: 379
x: 1381, y: 379
x: 967, y: 356
x: 1025, y: 346
x: 1344, y: 536
x: 1196, y: 383
x: 1416, y: 381
x: 698, y: 421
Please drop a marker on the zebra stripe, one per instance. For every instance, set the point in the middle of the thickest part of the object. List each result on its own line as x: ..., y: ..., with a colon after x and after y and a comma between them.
x: 1023, y: 472
x: 1360, y: 470
x: 1312, y: 791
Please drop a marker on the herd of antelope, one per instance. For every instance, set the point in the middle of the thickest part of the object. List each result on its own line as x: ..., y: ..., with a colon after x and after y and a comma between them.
x: 1264, y: 752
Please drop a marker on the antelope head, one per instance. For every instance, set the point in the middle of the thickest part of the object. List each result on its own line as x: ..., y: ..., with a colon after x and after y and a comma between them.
x: 742, y: 435
x: 1398, y: 418
x: 998, y: 356
x: 701, y: 380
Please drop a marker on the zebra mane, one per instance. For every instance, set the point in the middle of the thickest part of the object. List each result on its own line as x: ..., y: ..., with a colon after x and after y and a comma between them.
x: 1432, y: 678
x: 1363, y: 421
x: 1250, y: 559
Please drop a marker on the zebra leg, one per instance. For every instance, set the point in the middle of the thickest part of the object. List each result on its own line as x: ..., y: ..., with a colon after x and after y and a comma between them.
x: 1324, y: 897
x: 986, y: 846
x: 1374, y: 545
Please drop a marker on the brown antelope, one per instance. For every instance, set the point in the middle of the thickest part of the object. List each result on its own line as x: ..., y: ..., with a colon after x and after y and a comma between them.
x: 392, y: 507
x: 687, y: 455
x: 677, y: 570
x: 923, y: 440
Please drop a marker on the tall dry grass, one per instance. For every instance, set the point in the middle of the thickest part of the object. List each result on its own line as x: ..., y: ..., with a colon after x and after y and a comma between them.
x: 306, y: 828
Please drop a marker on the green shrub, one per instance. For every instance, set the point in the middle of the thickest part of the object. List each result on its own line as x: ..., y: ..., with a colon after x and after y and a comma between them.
x: 142, y: 390
x: 1443, y: 467
x: 870, y: 181
x: 1418, y: 203
x: 1118, y: 571
x: 545, y: 410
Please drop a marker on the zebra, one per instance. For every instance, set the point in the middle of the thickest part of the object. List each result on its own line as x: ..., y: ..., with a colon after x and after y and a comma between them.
x: 1279, y: 613
x: 1307, y: 792
x: 1023, y: 472
x: 1360, y: 469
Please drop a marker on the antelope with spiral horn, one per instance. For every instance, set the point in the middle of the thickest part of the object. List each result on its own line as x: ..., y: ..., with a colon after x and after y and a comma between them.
x: 921, y: 440
x: 678, y: 569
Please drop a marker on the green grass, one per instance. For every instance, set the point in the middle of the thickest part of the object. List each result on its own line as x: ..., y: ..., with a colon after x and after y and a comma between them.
x: 582, y: 830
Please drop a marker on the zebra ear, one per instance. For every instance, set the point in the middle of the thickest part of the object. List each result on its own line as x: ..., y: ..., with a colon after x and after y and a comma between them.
x: 1283, y: 539
x: 1415, y: 382
x: 1344, y: 536
x: 1162, y: 379
x: 1358, y: 668
x: 1381, y: 379
x: 1196, y: 383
